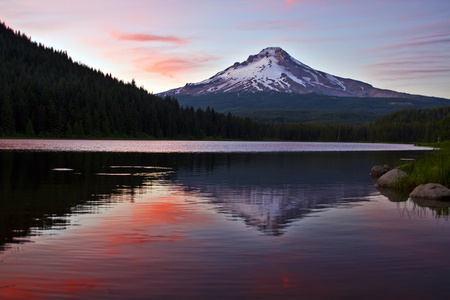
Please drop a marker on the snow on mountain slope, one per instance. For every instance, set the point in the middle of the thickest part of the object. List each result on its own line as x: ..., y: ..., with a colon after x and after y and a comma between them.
x: 273, y: 69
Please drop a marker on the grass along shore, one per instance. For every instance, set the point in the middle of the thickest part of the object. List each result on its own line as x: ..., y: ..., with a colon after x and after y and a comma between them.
x: 434, y: 167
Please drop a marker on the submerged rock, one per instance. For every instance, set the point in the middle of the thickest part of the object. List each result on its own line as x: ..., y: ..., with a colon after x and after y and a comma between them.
x: 394, y: 195
x: 433, y: 191
x: 437, y: 205
x: 378, y: 171
x: 389, y: 179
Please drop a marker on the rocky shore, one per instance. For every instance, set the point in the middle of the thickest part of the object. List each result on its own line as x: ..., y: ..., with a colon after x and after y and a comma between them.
x: 388, y: 178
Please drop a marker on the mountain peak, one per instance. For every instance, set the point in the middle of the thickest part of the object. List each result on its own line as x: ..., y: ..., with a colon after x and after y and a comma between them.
x: 273, y: 69
x: 275, y: 52
x: 270, y: 51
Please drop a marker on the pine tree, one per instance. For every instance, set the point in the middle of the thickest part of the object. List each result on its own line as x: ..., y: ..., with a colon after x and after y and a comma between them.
x: 29, y: 130
x: 69, y: 131
x: 7, y: 125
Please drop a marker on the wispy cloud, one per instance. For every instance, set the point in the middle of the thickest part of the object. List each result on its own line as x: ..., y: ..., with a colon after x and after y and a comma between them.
x: 416, y: 67
x: 430, y: 36
x: 416, y: 43
x: 429, y: 40
x: 140, y: 37
x: 402, y: 74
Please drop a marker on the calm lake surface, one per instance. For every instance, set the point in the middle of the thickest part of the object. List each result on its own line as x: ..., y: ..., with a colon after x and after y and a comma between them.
x: 214, y: 220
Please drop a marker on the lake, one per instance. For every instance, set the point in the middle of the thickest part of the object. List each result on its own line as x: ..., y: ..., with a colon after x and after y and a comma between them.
x: 214, y: 220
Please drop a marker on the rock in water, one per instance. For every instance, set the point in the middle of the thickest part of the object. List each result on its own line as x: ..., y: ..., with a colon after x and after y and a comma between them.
x: 389, y: 179
x: 432, y: 191
x: 378, y: 171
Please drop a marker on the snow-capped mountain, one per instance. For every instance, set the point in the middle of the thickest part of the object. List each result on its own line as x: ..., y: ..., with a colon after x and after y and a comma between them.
x: 273, y: 69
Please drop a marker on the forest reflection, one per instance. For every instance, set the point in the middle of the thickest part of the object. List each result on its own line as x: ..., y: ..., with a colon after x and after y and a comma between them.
x: 40, y: 190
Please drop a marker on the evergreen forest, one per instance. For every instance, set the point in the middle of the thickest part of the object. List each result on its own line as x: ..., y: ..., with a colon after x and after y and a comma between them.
x: 312, y: 108
x: 45, y: 94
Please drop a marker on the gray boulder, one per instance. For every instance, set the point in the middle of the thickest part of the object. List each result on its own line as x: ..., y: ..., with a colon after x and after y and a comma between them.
x: 433, y: 191
x: 389, y: 179
x: 378, y: 171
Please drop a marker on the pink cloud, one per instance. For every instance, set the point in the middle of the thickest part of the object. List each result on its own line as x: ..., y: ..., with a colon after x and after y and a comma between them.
x: 139, y: 37
x: 172, y: 66
x: 169, y: 67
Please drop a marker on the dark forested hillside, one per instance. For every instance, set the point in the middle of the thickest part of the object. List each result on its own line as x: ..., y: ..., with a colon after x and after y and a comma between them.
x: 412, y: 125
x: 43, y: 93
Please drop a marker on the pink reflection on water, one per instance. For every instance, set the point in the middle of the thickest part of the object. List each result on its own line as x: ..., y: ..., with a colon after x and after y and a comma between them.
x: 124, y: 252
x: 171, y: 244
x: 193, y: 146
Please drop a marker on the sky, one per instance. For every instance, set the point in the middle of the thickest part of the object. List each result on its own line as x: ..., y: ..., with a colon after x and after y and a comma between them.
x: 402, y: 45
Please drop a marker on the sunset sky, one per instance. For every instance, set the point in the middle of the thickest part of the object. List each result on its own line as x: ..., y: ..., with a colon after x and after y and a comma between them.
x: 402, y: 45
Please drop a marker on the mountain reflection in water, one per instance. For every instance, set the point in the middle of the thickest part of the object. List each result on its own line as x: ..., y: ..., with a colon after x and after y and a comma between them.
x: 266, y: 190
x: 270, y: 191
x: 214, y: 226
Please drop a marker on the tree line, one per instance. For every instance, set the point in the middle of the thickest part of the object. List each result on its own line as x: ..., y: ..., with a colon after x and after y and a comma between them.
x: 44, y: 93
x: 280, y: 107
